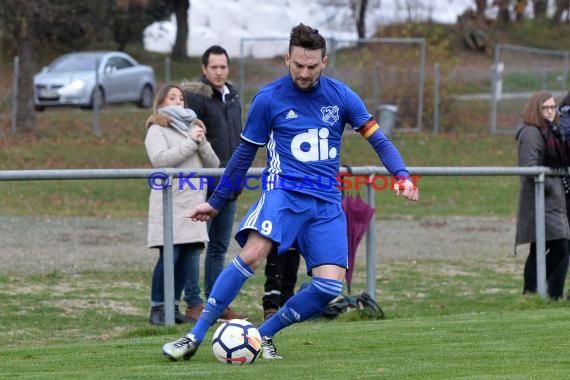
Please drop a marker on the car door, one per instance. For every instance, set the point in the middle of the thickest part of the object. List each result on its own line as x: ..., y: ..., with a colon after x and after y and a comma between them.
x: 121, y: 84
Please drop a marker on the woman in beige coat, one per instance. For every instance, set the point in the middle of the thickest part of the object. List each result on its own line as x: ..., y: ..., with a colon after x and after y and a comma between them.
x: 175, y: 138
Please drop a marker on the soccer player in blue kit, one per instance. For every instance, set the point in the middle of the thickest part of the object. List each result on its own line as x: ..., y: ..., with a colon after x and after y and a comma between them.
x: 300, y: 119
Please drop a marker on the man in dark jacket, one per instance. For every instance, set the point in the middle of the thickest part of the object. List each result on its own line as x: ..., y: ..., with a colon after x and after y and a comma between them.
x: 217, y: 104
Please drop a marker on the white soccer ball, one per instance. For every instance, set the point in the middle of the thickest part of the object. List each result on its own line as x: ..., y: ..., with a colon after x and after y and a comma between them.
x: 236, y: 341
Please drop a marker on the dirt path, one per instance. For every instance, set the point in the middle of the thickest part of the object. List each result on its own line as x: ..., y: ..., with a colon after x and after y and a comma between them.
x: 43, y: 244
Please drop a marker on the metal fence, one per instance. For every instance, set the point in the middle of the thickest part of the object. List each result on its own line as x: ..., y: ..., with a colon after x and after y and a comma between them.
x: 518, y: 72
x: 388, y: 72
x: 538, y: 173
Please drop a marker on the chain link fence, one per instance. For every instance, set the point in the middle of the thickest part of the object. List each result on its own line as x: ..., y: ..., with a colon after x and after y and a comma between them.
x: 518, y: 72
x: 383, y: 71
x: 390, y: 76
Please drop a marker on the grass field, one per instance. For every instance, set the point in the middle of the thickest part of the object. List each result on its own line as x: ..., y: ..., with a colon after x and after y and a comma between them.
x: 456, y: 318
x: 473, y: 346
x: 89, y: 325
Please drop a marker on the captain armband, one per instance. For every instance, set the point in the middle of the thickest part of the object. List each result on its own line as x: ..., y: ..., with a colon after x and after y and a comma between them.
x: 369, y: 128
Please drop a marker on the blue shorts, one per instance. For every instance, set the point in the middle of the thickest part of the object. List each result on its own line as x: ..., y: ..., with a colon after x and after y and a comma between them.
x: 316, y: 227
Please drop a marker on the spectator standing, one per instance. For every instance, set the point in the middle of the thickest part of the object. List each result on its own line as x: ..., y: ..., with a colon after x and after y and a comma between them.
x: 540, y: 143
x: 280, y: 280
x: 217, y: 103
x: 300, y: 203
x: 175, y: 138
x: 564, y: 115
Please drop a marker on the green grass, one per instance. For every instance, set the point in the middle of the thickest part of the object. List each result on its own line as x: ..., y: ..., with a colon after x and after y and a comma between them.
x: 109, y: 304
x: 528, y: 81
x: 454, y: 319
x: 492, y: 346
x: 517, y: 82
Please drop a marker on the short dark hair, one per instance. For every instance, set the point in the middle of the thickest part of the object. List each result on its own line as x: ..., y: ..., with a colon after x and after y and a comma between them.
x: 214, y: 49
x: 308, y: 38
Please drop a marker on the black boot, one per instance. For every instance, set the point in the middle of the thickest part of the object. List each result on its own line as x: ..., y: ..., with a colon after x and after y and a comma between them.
x: 157, y: 315
x: 179, y: 318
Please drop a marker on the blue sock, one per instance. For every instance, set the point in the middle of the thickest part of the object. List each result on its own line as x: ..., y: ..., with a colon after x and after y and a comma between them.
x: 225, y: 289
x: 303, y: 305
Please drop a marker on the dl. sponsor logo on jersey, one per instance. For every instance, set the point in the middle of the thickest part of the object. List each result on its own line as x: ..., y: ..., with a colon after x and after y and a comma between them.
x: 313, y: 145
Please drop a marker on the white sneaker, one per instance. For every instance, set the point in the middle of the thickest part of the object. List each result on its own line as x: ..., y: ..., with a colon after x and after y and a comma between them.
x: 183, y: 348
x: 268, y: 350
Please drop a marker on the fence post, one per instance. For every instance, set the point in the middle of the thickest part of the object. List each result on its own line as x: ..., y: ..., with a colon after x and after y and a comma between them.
x: 167, y: 69
x: 436, y: 83
x: 168, y: 254
x: 241, y: 88
x: 332, y: 54
x: 422, y: 79
x: 96, y: 96
x: 13, y: 126
x: 376, y: 84
x: 371, y: 244
x: 494, y: 85
x: 540, y: 235
x: 565, y: 74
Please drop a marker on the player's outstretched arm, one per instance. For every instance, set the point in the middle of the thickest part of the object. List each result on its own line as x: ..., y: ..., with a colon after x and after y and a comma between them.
x: 391, y: 158
x: 202, y: 212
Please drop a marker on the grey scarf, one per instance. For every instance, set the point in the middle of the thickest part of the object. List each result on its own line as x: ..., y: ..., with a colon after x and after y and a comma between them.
x: 180, y: 117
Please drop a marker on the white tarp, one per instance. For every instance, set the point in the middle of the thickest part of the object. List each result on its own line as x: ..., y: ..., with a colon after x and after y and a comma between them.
x: 226, y: 22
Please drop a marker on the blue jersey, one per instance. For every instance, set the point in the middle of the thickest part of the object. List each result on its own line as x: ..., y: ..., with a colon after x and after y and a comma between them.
x: 302, y: 132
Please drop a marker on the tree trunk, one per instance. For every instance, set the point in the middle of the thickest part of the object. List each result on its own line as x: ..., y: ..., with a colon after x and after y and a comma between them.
x: 26, y: 117
x: 539, y: 8
x: 561, y: 6
x: 504, y: 15
x: 179, y: 50
x: 480, y: 7
x: 361, y: 19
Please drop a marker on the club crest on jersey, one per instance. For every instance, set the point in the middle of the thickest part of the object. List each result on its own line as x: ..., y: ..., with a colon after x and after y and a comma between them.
x: 330, y: 114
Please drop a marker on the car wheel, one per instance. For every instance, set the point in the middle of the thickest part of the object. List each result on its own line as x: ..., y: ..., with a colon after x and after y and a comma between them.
x: 97, y: 98
x: 39, y: 108
x: 145, y: 100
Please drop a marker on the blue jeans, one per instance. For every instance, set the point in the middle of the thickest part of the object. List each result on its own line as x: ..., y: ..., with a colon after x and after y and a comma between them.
x: 220, y: 233
x: 186, y: 260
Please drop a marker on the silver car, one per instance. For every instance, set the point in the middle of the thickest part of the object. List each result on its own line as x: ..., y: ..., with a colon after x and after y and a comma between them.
x: 90, y: 78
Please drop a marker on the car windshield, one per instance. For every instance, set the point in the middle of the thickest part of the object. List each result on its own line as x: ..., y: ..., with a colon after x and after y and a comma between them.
x: 74, y: 63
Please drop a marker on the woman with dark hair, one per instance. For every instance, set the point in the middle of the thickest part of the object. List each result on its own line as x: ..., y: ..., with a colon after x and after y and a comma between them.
x: 541, y: 143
